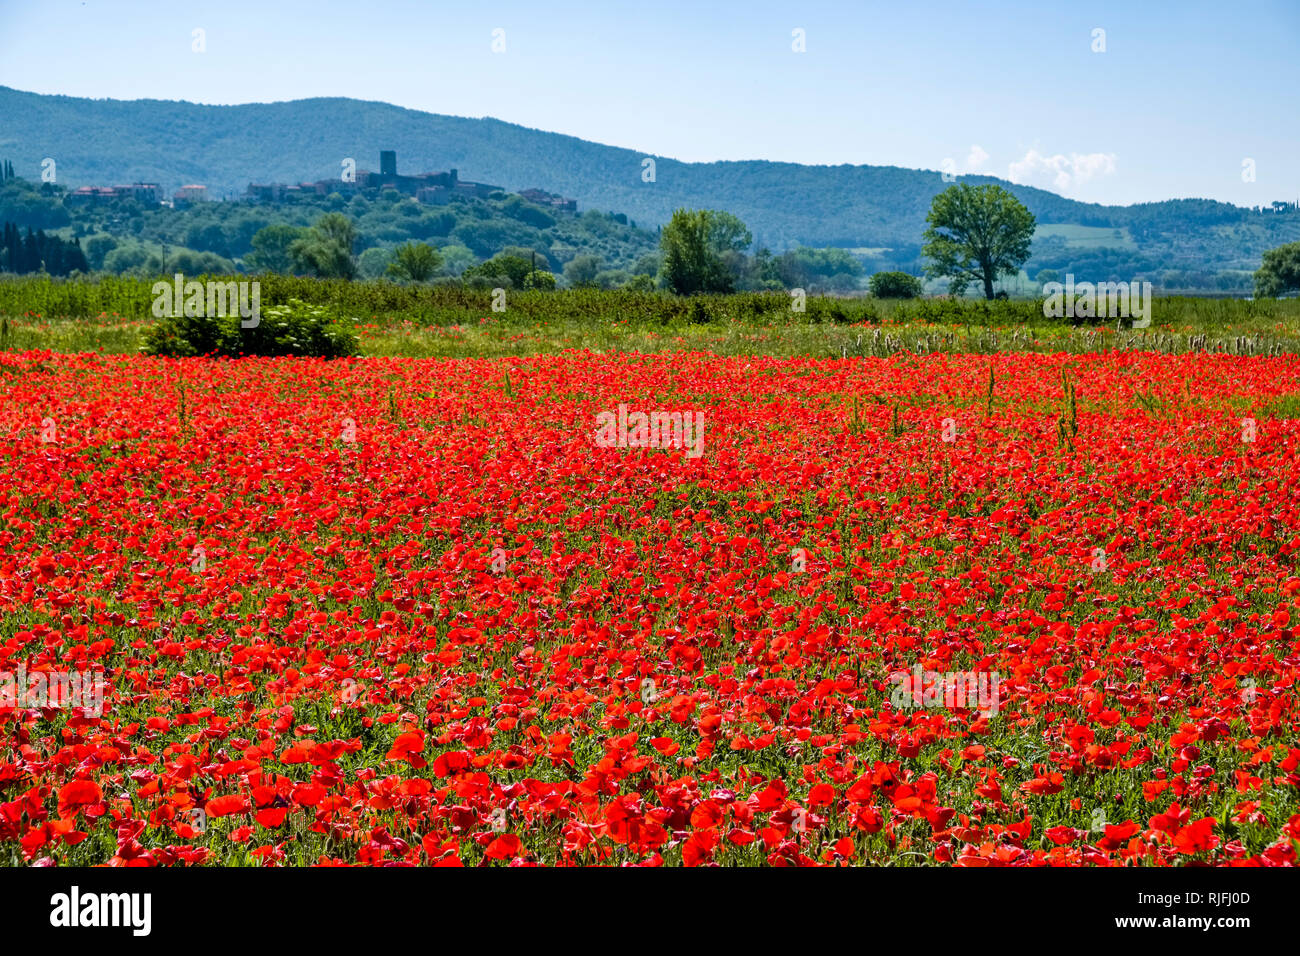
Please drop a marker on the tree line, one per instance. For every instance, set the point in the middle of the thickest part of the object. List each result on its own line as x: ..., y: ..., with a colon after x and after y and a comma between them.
x: 976, y: 234
x: 38, y: 252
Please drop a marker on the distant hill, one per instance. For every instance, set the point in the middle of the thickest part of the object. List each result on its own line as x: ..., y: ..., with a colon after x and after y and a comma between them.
x: 97, y: 142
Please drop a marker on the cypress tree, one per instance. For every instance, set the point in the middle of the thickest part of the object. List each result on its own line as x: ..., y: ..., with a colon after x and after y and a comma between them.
x: 76, y: 258
x: 31, y: 253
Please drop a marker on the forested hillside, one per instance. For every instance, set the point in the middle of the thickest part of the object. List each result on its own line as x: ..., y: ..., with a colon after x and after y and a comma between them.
x: 867, y: 207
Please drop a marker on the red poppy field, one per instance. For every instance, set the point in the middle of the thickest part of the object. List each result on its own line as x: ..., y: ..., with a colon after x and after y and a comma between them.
x: 393, y: 611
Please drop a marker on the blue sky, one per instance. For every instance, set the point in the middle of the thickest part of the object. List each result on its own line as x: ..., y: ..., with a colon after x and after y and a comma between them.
x: 1184, y: 93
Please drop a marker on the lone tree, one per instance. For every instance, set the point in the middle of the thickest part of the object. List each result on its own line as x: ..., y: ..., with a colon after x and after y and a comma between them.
x: 1279, y: 273
x: 415, y: 261
x: 271, y: 246
x: 975, y: 234
x: 582, y: 270
x: 325, y: 250
x: 702, y: 249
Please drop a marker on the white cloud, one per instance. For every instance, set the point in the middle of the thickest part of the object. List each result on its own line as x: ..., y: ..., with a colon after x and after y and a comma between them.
x: 1060, y: 172
x: 976, y: 159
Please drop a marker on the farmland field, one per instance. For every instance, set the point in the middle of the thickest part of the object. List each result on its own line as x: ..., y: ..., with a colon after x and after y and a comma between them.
x: 112, y: 315
x: 1085, y: 236
x: 413, y: 610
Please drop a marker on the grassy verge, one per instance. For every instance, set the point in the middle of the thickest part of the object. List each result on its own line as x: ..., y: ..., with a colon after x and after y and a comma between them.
x: 517, y: 336
x: 110, y: 315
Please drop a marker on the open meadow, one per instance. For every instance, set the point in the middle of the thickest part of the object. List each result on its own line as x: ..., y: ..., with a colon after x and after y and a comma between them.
x: 896, y: 604
x: 718, y: 436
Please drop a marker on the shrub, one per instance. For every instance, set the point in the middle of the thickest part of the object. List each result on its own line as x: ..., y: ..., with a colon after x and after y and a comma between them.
x: 538, y: 279
x: 514, y: 268
x: 296, y: 328
x: 894, y: 285
x: 1280, y: 272
x: 699, y: 311
x: 482, y: 283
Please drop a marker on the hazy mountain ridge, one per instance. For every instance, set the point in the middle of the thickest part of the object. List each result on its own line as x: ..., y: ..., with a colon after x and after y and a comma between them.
x: 101, y: 142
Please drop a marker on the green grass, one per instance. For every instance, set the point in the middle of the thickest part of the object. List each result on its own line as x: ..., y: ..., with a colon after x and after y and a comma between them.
x: 507, y: 336
x: 111, y: 315
x: 1087, y: 237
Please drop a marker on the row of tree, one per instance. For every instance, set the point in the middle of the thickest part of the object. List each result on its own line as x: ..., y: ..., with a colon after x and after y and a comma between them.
x: 975, y: 234
x: 38, y: 252
x: 700, y: 251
